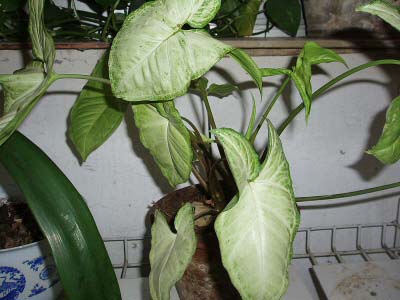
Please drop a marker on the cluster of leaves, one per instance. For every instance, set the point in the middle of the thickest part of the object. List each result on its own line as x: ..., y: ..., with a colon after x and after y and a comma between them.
x: 238, y: 17
x: 105, y: 18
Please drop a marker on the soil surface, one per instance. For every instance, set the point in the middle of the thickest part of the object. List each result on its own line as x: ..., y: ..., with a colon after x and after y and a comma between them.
x: 18, y: 227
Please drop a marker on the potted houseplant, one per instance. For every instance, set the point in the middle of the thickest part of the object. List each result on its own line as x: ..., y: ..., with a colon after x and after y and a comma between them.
x: 247, y: 197
x: 27, y: 266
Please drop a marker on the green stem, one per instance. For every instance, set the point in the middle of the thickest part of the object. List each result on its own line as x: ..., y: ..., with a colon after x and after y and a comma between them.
x: 269, y: 108
x: 80, y: 76
x: 328, y: 85
x: 349, y: 194
x: 211, y: 119
x: 105, y: 29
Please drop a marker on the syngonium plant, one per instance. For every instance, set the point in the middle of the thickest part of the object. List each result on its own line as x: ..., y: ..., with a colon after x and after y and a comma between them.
x: 160, y: 53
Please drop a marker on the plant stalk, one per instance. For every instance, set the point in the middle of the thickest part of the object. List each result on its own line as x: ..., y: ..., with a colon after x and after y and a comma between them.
x: 269, y: 108
x: 328, y: 85
x: 81, y: 76
x: 349, y: 194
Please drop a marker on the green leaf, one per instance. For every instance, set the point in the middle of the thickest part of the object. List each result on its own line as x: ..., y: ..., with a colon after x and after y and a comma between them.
x: 152, y: 58
x: 257, y: 230
x: 383, y: 9
x: 285, y: 14
x: 249, y: 65
x: 252, y: 122
x: 267, y: 72
x: 387, y: 150
x: 43, y: 47
x: 311, y: 54
x: 96, y: 114
x: 24, y: 88
x: 162, y: 132
x: 170, y: 252
x: 22, y: 91
x: 221, y: 90
x: 247, y: 15
x: 241, y: 156
x: 62, y: 214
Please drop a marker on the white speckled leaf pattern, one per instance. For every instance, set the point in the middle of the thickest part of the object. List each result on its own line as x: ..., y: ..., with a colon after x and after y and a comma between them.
x: 241, y: 156
x: 256, y: 233
x: 152, y: 58
x: 162, y: 132
x: 170, y: 252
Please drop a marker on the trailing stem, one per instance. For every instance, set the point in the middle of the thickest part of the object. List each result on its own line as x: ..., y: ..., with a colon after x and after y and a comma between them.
x: 349, y: 194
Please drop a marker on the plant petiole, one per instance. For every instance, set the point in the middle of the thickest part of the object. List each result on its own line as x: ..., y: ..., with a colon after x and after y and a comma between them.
x: 349, y: 194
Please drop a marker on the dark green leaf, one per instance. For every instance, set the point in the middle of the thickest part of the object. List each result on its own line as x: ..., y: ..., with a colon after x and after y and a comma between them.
x: 221, y: 90
x: 285, y: 14
x: 388, y: 148
x: 247, y: 15
x: 79, y: 252
x: 96, y: 114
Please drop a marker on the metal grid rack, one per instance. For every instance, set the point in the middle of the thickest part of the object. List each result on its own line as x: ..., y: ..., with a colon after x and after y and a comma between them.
x: 387, y: 236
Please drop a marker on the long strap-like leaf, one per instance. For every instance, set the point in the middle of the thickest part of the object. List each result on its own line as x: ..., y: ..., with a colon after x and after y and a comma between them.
x: 79, y: 252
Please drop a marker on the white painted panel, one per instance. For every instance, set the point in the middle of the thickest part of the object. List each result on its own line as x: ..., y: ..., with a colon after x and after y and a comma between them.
x: 120, y: 180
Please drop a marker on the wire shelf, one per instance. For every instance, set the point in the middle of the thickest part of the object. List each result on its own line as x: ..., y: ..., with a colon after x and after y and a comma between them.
x: 309, y: 246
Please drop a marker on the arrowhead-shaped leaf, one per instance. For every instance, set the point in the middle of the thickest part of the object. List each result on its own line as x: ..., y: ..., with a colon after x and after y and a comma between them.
x: 96, y: 113
x: 162, y: 132
x: 170, y: 252
x: 285, y: 14
x: 311, y: 54
x: 152, y: 58
x: 241, y: 156
x: 388, y: 148
x: 257, y: 230
x: 383, y: 9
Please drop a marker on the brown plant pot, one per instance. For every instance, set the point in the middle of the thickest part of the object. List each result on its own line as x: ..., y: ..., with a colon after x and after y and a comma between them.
x: 205, y: 278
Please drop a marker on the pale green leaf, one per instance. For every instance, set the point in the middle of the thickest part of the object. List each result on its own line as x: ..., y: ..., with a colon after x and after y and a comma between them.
x: 42, y: 43
x: 242, y: 158
x: 383, y: 9
x: 247, y: 15
x: 170, y: 252
x: 221, y: 90
x: 22, y: 91
x: 96, y: 114
x: 250, y: 128
x: 249, y: 65
x: 311, y: 54
x: 257, y: 230
x: 387, y: 150
x: 152, y: 58
x: 162, y: 132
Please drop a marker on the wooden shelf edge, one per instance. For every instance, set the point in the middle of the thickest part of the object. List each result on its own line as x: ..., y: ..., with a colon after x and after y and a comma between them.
x: 259, y: 46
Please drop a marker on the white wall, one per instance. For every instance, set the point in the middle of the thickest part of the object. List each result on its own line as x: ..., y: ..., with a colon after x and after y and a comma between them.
x: 120, y: 180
